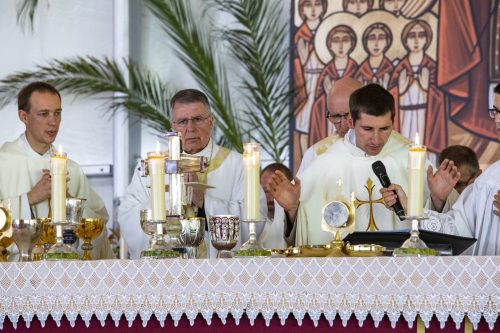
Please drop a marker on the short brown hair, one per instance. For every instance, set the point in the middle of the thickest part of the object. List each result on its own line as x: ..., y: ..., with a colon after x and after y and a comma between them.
x: 461, y: 155
x: 345, y: 29
x: 24, y: 96
x: 371, y: 99
x: 427, y: 28
x: 302, y: 3
x: 381, y: 26
x: 369, y: 4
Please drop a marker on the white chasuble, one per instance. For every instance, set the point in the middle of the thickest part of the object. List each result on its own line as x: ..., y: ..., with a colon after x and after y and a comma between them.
x: 347, y: 162
x: 225, y: 198
x: 21, y: 169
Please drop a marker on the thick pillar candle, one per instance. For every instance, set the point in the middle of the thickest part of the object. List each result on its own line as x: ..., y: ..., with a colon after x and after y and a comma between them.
x: 58, y: 174
x: 251, y: 173
x: 156, y: 165
x: 416, y: 169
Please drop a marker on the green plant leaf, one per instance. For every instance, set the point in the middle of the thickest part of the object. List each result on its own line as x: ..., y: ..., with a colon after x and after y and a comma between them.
x: 145, y: 95
x: 195, y: 48
x: 252, y: 42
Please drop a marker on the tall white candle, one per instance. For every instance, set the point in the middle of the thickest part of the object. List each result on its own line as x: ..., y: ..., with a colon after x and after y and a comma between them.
x: 251, y: 172
x: 416, y: 163
x: 58, y: 174
x: 156, y: 165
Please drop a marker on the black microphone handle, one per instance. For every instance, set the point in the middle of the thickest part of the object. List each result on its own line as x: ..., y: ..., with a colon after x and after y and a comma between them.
x: 398, y: 208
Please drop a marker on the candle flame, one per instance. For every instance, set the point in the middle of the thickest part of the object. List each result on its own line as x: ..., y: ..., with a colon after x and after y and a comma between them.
x: 417, y: 139
x: 158, y: 147
x: 59, y: 150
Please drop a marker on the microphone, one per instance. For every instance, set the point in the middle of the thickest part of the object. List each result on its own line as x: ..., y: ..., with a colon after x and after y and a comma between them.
x: 379, y: 170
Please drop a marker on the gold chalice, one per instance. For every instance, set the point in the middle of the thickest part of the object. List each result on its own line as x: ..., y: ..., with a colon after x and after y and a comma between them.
x: 5, y: 241
x: 88, y: 229
x: 46, y: 240
x: 5, y: 234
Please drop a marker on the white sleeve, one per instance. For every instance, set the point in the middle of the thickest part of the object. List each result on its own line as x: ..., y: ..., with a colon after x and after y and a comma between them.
x: 136, y: 198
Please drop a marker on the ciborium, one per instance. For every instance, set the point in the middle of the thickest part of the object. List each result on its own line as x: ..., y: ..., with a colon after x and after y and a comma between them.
x: 26, y: 233
x: 89, y: 229
x: 60, y: 250
x: 224, y: 233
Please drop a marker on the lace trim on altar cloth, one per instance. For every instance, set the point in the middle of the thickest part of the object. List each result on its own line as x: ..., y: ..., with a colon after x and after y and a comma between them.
x: 444, y: 287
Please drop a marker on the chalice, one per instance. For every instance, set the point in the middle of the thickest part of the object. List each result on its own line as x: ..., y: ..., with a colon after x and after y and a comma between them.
x: 158, y: 248
x: 89, y: 228
x: 5, y: 234
x: 47, y: 238
x: 224, y: 233
x: 59, y: 250
x: 192, y: 234
x: 26, y: 233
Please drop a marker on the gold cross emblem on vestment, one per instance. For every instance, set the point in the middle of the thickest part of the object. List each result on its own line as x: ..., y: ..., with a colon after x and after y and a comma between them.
x: 372, y: 225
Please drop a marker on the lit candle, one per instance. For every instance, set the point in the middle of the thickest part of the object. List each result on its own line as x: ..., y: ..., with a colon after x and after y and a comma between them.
x: 156, y: 165
x: 251, y: 168
x: 416, y: 162
x: 58, y: 174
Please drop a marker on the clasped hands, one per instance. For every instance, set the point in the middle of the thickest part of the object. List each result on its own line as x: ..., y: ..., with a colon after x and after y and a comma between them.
x: 42, y: 189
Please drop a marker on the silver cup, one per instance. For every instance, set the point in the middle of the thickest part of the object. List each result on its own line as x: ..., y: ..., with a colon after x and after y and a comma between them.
x: 74, y: 210
x: 191, y: 235
x: 25, y: 234
x: 224, y: 233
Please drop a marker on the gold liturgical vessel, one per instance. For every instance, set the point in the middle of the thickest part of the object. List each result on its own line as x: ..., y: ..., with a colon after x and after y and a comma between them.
x: 338, y: 218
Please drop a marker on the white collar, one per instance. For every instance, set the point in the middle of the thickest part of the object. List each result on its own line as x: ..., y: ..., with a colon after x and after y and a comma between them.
x: 350, y: 143
x: 23, y: 141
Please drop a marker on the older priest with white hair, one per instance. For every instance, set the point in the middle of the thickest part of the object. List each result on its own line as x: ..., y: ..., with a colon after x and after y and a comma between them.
x: 191, y: 117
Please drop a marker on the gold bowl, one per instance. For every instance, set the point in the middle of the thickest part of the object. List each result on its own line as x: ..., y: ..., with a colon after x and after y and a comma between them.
x: 309, y: 251
x: 88, y: 229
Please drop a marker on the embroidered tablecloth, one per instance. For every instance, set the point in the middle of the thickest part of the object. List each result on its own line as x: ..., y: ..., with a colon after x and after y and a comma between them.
x: 443, y: 287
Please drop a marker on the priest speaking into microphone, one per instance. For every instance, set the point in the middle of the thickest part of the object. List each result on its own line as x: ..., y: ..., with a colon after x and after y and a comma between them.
x: 371, y: 137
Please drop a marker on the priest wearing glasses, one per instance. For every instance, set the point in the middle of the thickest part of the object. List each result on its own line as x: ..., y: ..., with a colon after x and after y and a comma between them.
x: 191, y: 116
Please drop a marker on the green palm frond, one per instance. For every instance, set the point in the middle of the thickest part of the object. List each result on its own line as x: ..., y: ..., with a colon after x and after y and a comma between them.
x: 145, y: 95
x: 253, y: 43
x: 195, y: 48
x: 26, y: 13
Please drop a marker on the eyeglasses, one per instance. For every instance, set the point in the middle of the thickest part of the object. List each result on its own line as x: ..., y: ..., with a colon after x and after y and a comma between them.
x: 493, y: 112
x: 196, y: 121
x: 337, y: 117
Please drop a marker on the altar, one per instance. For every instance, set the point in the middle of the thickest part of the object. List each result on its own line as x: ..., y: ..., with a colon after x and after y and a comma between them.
x: 253, y: 294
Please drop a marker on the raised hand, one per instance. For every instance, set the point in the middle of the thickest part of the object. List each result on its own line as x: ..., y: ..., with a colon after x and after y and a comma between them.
x: 302, y: 50
x: 285, y: 193
x: 423, y: 78
x: 41, y: 191
x: 327, y: 84
x: 441, y: 182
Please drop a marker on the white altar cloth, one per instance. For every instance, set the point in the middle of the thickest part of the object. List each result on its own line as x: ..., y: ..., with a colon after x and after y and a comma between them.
x: 443, y: 287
